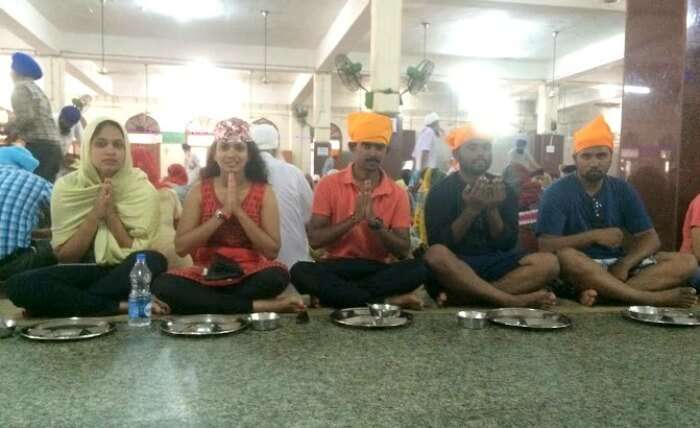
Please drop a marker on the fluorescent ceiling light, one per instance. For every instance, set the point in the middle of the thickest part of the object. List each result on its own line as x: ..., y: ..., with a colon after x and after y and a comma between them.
x: 485, y: 98
x: 493, y: 34
x: 612, y: 91
x: 633, y: 89
x: 184, y: 10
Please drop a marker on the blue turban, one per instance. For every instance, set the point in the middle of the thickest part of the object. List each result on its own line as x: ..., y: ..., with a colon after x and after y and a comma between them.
x: 69, y: 115
x: 25, y: 65
x: 19, y: 157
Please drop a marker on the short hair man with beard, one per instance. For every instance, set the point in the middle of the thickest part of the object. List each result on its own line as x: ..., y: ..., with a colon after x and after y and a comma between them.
x: 472, y: 222
x: 585, y: 218
x: 361, y: 218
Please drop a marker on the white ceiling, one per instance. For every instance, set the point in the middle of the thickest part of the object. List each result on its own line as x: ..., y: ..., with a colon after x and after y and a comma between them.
x: 505, y: 30
x: 515, y: 32
x: 240, y: 24
x: 467, y: 28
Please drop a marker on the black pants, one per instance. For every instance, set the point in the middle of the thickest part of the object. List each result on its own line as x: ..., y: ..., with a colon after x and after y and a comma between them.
x: 353, y: 282
x: 78, y: 289
x: 39, y: 255
x: 185, y: 296
x: 50, y: 158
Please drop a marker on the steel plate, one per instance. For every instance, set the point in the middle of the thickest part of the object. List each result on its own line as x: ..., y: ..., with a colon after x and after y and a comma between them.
x: 536, y: 319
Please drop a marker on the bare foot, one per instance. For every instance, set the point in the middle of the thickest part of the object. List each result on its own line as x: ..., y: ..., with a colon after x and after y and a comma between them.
x: 159, y: 307
x: 288, y: 304
x: 684, y: 297
x: 441, y: 299
x: 406, y: 301
x: 538, y: 299
x: 314, y: 302
x: 588, y: 297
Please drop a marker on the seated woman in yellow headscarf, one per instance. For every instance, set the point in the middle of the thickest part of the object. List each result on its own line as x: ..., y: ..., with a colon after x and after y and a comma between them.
x: 102, y: 215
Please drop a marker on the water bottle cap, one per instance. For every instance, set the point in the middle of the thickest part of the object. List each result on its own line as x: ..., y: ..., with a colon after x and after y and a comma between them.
x: 141, y: 257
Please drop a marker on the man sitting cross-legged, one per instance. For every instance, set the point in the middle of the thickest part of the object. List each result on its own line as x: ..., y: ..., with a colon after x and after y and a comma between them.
x: 361, y: 218
x: 472, y: 222
x: 584, y: 218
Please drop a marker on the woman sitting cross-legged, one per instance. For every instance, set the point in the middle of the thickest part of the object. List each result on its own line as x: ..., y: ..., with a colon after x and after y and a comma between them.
x: 102, y: 215
x: 230, y: 224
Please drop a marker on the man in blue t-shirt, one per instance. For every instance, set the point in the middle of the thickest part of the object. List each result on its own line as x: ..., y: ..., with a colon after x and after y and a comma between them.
x: 472, y: 223
x: 585, y: 218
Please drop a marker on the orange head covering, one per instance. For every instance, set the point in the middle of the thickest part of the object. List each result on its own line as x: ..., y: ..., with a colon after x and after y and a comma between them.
x: 595, y: 134
x: 459, y: 136
x: 366, y: 127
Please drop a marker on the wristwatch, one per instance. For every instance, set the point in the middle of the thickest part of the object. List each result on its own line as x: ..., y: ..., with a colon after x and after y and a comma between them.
x: 375, y: 224
x: 221, y: 216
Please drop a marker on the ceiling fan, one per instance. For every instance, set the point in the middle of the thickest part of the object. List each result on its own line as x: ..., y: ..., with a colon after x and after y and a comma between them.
x: 350, y: 74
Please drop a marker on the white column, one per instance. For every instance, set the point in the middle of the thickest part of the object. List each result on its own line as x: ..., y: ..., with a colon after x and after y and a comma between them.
x: 385, y: 54
x: 54, y: 69
x: 296, y: 141
x: 321, y: 115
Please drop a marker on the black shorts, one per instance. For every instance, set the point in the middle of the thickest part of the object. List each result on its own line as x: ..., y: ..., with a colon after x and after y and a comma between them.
x: 490, y: 267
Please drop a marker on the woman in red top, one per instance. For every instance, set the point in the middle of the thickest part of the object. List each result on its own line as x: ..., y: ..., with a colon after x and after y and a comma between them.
x: 230, y: 225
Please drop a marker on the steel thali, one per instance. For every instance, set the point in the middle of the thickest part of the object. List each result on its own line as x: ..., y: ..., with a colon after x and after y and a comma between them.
x: 204, y: 325
x: 74, y: 328
x: 361, y: 318
x: 536, y: 319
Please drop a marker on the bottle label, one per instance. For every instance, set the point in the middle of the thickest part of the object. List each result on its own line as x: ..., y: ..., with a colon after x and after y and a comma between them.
x: 134, y: 308
x: 140, y: 307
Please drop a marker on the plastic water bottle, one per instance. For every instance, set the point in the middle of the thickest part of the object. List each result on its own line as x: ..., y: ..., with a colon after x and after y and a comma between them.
x: 140, y: 297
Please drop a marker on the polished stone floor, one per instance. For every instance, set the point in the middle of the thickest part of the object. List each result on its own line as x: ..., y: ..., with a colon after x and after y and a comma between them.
x: 604, y: 371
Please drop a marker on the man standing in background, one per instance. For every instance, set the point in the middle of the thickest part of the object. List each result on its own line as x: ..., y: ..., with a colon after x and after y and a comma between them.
x: 192, y: 163
x: 429, y: 152
x: 34, y: 123
x: 293, y: 193
x: 520, y: 155
x: 70, y: 130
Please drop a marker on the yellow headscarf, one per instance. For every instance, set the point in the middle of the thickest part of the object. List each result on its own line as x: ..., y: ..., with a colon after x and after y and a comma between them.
x: 135, y: 199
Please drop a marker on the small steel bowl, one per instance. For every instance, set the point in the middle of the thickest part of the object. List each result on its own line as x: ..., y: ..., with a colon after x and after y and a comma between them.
x: 264, y: 321
x: 471, y: 319
x: 7, y: 327
x: 381, y: 311
x: 646, y: 312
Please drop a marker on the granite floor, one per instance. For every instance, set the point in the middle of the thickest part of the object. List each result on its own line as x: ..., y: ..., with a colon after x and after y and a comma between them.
x: 604, y: 371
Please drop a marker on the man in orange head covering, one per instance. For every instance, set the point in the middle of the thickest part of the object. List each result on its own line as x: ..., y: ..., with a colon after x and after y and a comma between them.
x: 585, y: 217
x: 361, y: 218
x: 472, y: 222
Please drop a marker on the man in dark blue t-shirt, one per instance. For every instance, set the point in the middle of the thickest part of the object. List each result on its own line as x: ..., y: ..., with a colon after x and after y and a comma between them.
x: 585, y: 218
x: 472, y: 223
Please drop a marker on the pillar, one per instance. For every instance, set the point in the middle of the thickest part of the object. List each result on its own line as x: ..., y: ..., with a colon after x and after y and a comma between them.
x: 661, y: 104
x: 385, y: 54
x: 321, y: 114
x: 54, y: 69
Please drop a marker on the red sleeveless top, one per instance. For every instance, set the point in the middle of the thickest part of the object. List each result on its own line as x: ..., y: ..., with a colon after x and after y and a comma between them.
x: 229, y: 240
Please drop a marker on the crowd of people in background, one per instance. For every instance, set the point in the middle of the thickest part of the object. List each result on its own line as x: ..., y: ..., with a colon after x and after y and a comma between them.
x: 248, y: 232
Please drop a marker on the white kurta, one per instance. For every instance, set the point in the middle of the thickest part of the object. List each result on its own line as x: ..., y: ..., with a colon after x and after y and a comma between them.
x: 438, y: 152
x: 294, y: 199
